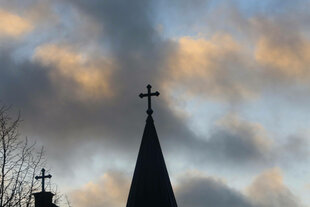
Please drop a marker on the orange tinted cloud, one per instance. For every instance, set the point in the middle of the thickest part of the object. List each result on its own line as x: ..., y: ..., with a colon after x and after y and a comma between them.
x: 13, y: 25
x: 269, y: 189
x: 209, y: 68
x: 92, y: 76
x: 111, y: 190
x: 287, y: 60
x: 281, y: 49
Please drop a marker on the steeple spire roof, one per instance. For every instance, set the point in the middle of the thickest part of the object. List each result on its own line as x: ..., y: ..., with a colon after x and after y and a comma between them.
x: 151, y: 185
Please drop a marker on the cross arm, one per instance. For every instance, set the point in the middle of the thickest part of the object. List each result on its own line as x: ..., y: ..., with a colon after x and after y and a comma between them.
x: 40, y: 177
x: 141, y: 95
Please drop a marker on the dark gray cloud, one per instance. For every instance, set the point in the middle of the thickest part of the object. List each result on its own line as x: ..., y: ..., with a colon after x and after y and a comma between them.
x: 267, y: 189
x: 204, y: 191
x: 236, y: 147
x: 234, y: 142
x: 23, y: 85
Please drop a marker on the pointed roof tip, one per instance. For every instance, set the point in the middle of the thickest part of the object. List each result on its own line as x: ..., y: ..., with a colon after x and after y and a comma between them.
x: 149, y: 118
x: 151, y: 184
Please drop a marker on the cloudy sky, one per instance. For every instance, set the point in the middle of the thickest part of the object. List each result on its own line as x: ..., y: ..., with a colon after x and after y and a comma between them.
x: 232, y: 117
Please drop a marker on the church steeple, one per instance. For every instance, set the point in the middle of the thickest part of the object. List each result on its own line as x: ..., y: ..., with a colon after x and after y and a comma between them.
x: 150, y: 185
x: 43, y: 198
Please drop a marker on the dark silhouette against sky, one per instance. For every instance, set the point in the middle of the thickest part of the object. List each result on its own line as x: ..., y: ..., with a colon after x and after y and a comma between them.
x: 150, y: 183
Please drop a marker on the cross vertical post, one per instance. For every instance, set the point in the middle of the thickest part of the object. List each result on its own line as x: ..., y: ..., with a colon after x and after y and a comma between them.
x: 149, y: 95
x: 43, y: 178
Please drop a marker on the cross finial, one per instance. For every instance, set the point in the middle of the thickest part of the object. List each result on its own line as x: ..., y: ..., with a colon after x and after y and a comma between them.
x: 43, y: 178
x: 149, y: 94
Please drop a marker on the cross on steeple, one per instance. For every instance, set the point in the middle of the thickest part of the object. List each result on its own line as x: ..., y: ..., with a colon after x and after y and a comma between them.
x: 149, y: 94
x: 43, y: 178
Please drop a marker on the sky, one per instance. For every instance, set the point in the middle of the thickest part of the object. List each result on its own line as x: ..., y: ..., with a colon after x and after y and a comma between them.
x: 232, y: 115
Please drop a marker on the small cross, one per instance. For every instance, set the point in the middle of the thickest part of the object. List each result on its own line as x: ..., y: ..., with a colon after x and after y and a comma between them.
x: 43, y: 178
x: 149, y: 94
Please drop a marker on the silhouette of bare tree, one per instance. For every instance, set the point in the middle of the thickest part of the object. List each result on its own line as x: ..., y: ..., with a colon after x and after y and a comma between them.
x: 19, y: 163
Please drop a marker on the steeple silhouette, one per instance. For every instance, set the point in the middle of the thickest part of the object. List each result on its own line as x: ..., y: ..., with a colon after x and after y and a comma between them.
x: 43, y: 198
x: 150, y: 185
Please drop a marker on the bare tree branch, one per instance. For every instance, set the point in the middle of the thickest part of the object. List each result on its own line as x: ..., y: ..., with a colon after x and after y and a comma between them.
x: 19, y: 163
